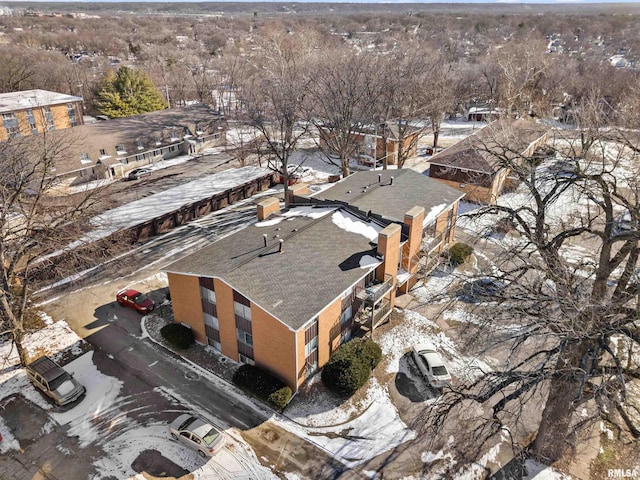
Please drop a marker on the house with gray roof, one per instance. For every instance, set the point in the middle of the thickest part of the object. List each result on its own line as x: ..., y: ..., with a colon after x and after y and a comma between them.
x: 478, y: 166
x: 287, y: 291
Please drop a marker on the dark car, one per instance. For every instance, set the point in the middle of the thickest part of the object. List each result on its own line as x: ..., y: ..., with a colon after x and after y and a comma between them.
x: 54, y: 381
x: 136, y: 300
x: 139, y: 173
x: 481, y: 290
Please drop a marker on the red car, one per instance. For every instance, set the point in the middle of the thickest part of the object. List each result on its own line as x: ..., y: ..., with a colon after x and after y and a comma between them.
x: 136, y: 300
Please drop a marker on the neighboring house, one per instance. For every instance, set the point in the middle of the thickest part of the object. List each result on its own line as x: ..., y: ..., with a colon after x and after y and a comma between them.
x: 112, y: 148
x: 470, y: 166
x: 36, y: 111
x: 482, y: 112
x: 370, y: 142
x: 285, y: 292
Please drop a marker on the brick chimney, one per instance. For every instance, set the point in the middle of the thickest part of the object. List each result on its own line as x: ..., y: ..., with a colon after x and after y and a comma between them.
x: 412, y: 219
x: 389, y: 248
x: 267, y: 207
x: 296, y: 190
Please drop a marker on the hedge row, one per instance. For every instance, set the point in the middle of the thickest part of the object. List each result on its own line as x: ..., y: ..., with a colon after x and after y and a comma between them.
x: 263, y: 385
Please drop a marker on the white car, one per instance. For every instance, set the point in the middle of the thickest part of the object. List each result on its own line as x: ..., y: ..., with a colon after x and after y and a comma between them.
x: 431, y: 365
x: 197, y: 434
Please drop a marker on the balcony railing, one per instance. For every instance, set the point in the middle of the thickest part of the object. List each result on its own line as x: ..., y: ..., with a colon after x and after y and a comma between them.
x: 372, y: 316
x: 374, y: 292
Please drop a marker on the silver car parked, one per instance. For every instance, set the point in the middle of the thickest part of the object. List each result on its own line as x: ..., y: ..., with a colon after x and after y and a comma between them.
x: 54, y: 381
x: 197, y: 434
x: 431, y: 365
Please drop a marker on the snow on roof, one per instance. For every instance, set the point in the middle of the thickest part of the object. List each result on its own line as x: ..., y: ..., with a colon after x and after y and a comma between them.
x: 433, y: 214
x: 302, y: 211
x: 153, y: 206
x: 352, y: 224
x: 12, y: 101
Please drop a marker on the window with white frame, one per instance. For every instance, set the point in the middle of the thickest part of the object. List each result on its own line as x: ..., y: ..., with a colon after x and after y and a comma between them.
x: 32, y: 121
x: 120, y: 150
x: 174, y: 134
x: 139, y: 144
x: 72, y: 114
x: 85, y: 158
x: 244, y: 330
x: 157, y: 140
x: 48, y: 116
x: 10, y: 124
x: 210, y: 312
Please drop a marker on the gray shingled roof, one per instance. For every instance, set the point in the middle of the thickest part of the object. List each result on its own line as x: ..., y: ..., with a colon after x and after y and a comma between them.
x: 319, y: 261
x: 503, y: 136
x: 391, y: 201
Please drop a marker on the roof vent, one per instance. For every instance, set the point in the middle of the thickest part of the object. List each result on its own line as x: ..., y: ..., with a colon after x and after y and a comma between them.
x: 281, y: 244
x: 379, y: 178
x: 390, y: 180
x: 264, y: 237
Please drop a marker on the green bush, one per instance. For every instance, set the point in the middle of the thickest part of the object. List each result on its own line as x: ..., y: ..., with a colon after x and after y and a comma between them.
x: 177, y: 335
x: 351, y: 366
x: 263, y: 385
x: 458, y: 253
x: 280, y: 398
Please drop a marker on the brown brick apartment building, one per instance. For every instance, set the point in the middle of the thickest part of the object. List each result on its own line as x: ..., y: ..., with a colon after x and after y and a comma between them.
x: 285, y: 292
x: 35, y: 111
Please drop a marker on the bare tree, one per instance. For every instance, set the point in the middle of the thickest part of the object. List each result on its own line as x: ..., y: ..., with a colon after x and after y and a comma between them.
x: 31, y: 226
x: 567, y: 326
x: 343, y: 99
x: 274, y: 97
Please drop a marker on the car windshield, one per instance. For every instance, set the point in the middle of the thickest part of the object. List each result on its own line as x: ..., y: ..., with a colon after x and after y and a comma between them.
x: 56, y: 382
x: 141, y: 298
x: 210, y: 437
x: 186, y: 423
x: 440, y: 371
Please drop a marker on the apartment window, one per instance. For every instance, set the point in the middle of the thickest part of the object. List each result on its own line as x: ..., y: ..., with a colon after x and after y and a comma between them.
x: 32, y: 121
x: 172, y: 148
x: 84, y: 158
x: 199, y: 130
x: 346, y: 324
x: 139, y: 144
x: 242, y: 308
x: 210, y: 310
x: 48, y: 116
x: 311, y: 347
x: 103, y: 153
x: 72, y: 114
x: 120, y: 150
x: 10, y: 124
x: 174, y: 134
x: 157, y: 140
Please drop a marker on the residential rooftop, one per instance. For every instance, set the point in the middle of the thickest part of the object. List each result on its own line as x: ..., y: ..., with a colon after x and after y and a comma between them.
x: 504, y: 136
x: 374, y: 191
x: 12, y: 101
x: 312, y: 256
